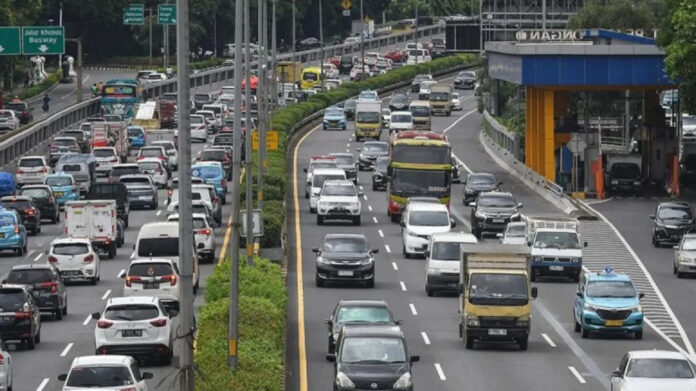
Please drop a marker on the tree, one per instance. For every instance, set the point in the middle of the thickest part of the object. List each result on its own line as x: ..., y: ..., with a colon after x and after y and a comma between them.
x: 681, y: 52
x: 619, y: 14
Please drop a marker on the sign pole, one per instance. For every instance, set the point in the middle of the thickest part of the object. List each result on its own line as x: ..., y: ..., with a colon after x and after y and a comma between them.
x: 247, y: 108
x: 150, y: 20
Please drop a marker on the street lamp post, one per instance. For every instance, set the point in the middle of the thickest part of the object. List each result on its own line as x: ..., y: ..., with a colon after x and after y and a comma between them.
x: 321, y: 47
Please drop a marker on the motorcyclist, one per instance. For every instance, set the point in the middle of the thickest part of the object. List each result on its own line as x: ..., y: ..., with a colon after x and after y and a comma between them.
x: 46, y: 99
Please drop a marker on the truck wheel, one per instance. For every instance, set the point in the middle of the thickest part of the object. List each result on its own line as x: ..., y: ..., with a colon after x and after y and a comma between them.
x: 523, y: 342
x: 429, y: 291
x: 469, y: 342
x: 584, y: 333
x: 112, y: 251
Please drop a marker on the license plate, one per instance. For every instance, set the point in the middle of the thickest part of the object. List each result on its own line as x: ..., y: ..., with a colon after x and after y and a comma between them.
x: 59, y: 194
x: 613, y: 323
x: 131, y: 333
x: 6, y: 319
x: 144, y: 197
x: 498, y: 221
x: 497, y: 332
x: 71, y: 273
x: 151, y: 285
x: 345, y: 273
x: 556, y: 268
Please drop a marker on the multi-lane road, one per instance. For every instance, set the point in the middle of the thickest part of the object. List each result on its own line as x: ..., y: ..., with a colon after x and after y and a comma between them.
x: 557, y: 357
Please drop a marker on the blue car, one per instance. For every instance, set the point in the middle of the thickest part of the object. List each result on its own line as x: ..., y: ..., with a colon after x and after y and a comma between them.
x: 64, y: 187
x: 608, y: 302
x: 334, y: 118
x: 137, y: 136
x: 13, y: 234
x: 213, y: 174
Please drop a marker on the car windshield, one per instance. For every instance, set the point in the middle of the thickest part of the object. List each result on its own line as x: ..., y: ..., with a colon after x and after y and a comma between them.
x: 151, y: 152
x: 158, y: 247
x: 560, y: 240
x: 99, y: 376
x: 135, y: 180
x: 104, y: 153
x: 495, y: 285
x: 59, y: 181
x: 345, y: 245
x: 660, y: 368
x: 334, y: 113
x: 206, y: 171
x: 689, y: 120
x: 136, y: 132
x: 29, y: 276
x: 70, y: 248
x: 310, y: 76
x: 316, y: 165
x: 481, y: 179
x: 214, y: 155
x: 445, y: 251
x: 401, y: 118
x: 350, y: 104
x: 16, y: 204
x: 319, y: 179
x: 496, y: 201
x: 201, y: 97
x: 16, y: 106
x: 375, y: 148
x: 64, y: 142
x: 689, y: 244
x: 674, y: 213
x: 31, y: 162
x: 35, y: 193
x: 197, y: 120
x: 428, y: 218
x: 372, y: 350
x: 420, y: 111
x: 345, y: 160
x: 368, y: 117
x: 6, y: 219
x: 363, y: 315
x: 428, y: 183
x: 625, y: 171
x: 71, y: 168
x: 339, y: 190
x: 131, y: 312
x: 6, y: 114
x: 515, y: 231
x: 610, y: 289
x: 439, y: 96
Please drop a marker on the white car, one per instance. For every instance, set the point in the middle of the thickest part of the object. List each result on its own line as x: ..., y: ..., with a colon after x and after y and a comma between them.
x: 424, y: 92
x: 356, y: 69
x: 106, y: 158
x: 456, y: 102
x: 688, y: 127
x: 199, y: 128
x: 350, y: 40
x: 422, y: 55
x: 155, y: 77
x: 138, y: 326
x: 199, y: 192
x: 371, y: 58
x: 154, y: 167
x: 330, y: 71
x: 105, y: 372
x: 8, y: 120
x: 412, y: 45
x: 442, y: 260
x: 314, y: 163
x: 6, y: 378
x: 400, y: 121
x: 515, y: 233
x: 419, y: 221
x: 214, y: 123
x: 158, y: 277
x: 653, y: 370
x: 339, y: 199
x: 330, y: 84
x: 204, y: 235
x: 75, y: 259
x: 368, y: 96
x: 318, y: 177
x: 172, y: 153
x: 31, y: 170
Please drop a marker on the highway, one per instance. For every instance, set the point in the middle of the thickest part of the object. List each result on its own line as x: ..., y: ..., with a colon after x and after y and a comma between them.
x: 557, y: 357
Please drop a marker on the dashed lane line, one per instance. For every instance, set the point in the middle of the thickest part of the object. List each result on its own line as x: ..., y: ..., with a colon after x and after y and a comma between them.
x: 369, y: 207
x: 87, y: 319
x: 403, y: 286
x: 374, y: 218
x: 66, y: 350
x: 386, y: 247
x: 42, y: 385
x: 426, y: 340
x: 577, y: 375
x: 38, y: 257
x: 548, y: 340
x: 106, y: 294
x: 413, y: 308
x: 381, y: 234
x: 394, y: 265
x: 30, y: 253
x: 440, y: 372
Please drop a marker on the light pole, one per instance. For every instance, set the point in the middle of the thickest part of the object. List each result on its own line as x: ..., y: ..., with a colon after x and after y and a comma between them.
x: 248, y: 153
x: 274, y: 86
x: 150, y: 20
x: 362, y: 40
x: 321, y: 47
x: 415, y: 34
x: 294, y: 87
x: 261, y: 98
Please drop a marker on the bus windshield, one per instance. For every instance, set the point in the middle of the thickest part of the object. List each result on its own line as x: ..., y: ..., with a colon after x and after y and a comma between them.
x: 421, y: 154
x: 410, y: 183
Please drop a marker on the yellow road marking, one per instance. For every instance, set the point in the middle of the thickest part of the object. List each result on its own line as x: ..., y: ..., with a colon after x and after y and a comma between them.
x: 228, y: 232
x: 300, y: 287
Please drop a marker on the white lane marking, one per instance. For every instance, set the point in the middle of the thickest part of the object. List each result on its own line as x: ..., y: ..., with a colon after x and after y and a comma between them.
x: 440, y: 373
x: 395, y: 266
x: 425, y: 338
x: 364, y: 197
x: 74, y: 89
x: 87, y: 320
x: 375, y: 220
x: 30, y: 253
x: 361, y: 188
x: 347, y: 149
x: 42, y: 385
x: 577, y: 375
x: 122, y: 271
x: 369, y: 207
x: 413, y: 309
x: 38, y: 257
x: 159, y: 212
x: 106, y: 294
x: 403, y: 286
x: 381, y: 234
x: 548, y: 339
x: 461, y: 163
x: 459, y: 119
x: 386, y: 247
x: 348, y: 145
x: 66, y: 350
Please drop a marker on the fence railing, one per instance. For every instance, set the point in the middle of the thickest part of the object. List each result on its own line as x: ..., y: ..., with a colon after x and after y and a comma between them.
x: 508, y: 140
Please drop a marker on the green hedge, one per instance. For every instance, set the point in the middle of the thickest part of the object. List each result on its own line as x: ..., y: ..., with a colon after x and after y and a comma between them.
x: 40, y: 88
x: 262, y: 309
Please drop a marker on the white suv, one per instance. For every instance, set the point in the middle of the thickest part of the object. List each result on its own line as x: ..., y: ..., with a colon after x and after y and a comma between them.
x: 320, y: 175
x: 75, y: 259
x: 204, y: 235
x: 419, y: 221
x: 31, y: 170
x: 137, y: 326
x: 106, y: 158
x: 339, y: 199
x: 106, y: 372
x: 158, y: 277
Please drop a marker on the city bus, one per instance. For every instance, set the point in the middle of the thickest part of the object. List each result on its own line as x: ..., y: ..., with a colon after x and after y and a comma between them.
x: 420, y: 166
x: 119, y: 96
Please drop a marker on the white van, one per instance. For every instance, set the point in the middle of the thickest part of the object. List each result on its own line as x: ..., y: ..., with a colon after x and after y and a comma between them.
x: 161, y: 240
x: 318, y: 177
x: 442, y: 258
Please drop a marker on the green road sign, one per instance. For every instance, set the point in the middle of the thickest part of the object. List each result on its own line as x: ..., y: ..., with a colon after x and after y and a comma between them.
x: 42, y: 40
x: 134, y: 14
x: 10, y: 41
x: 166, y: 14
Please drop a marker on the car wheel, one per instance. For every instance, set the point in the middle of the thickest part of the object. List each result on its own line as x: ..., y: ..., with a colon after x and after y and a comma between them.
x: 224, y: 200
x: 37, y: 337
x: 320, y: 220
x: 577, y: 325
x: 638, y: 334
x: 523, y: 342
x: 30, y: 344
x: 58, y: 314
x: 680, y: 274
x: 584, y: 333
x: 38, y: 230
x: 371, y: 282
x: 112, y: 252
x: 20, y: 251
x: 65, y: 308
x: 394, y: 218
x: 469, y: 342
x: 167, y: 360
x: 93, y: 281
x: 125, y: 222
x: 318, y: 282
x: 429, y: 291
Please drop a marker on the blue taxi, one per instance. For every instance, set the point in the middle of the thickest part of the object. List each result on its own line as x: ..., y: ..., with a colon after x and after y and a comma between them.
x: 213, y: 174
x: 13, y: 234
x: 608, y: 302
x: 64, y: 187
x: 136, y: 136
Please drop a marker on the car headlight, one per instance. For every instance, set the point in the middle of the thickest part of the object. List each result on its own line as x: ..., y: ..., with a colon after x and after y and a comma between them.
x: 614, y: 182
x: 435, y: 270
x: 404, y: 382
x: 590, y: 307
x: 523, y: 321
x: 363, y: 157
x: 469, y: 191
x: 473, y: 322
x: 322, y: 260
x: 687, y: 260
x: 636, y: 183
x: 638, y: 308
x: 343, y: 381
x: 411, y: 233
x: 537, y: 259
x: 367, y: 260
x: 515, y: 216
x: 575, y: 259
x: 480, y: 215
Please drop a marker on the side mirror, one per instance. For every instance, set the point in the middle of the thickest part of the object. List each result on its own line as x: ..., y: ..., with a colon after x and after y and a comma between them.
x: 500, y: 183
x: 579, y: 294
x: 472, y: 204
x: 358, y: 149
x: 675, y: 247
x: 616, y: 373
x: 316, y: 250
x: 398, y: 322
x: 173, y: 313
x: 96, y: 315
x: 200, y: 246
x: 584, y: 244
x: 641, y: 295
x: 328, y: 321
x: 499, y: 235
x: 360, y: 194
x: 535, y: 292
x: 146, y: 375
x: 520, y: 205
x: 652, y: 217
x: 62, y: 376
x: 330, y: 357
x: 304, y: 169
x: 374, y: 251
x: 413, y: 359
x: 402, y: 223
x: 453, y: 223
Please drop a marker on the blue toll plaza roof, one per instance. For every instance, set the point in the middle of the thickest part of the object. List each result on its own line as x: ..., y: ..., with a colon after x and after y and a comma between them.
x: 603, y: 59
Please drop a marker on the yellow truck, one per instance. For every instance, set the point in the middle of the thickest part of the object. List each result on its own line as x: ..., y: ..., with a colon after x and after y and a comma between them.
x: 368, y: 120
x: 289, y: 71
x: 420, y: 112
x: 495, y: 293
x: 441, y: 99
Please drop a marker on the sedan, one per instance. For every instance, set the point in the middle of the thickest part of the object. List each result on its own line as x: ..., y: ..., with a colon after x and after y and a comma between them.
x: 363, y: 312
x: 308, y: 44
x: 653, y: 370
x: 465, y: 79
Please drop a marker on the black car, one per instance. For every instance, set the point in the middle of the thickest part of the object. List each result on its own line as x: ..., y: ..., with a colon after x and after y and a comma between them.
x: 345, y: 258
x: 217, y: 155
x: 351, y: 312
x: 346, y: 162
x: 478, y: 182
x: 672, y: 221
x: 45, y: 284
x: 28, y: 211
x: 372, y: 357
x: 438, y: 51
x: 118, y: 170
x: 141, y: 194
x: 21, y: 318
x: 624, y: 177
x: 349, y: 109
x: 308, y: 44
x: 465, y: 79
x: 369, y: 153
x: 399, y: 102
x: 415, y: 84
x: 21, y: 109
x: 43, y: 198
x: 345, y: 64
x: 492, y: 212
x: 80, y: 137
x: 112, y: 191
x: 380, y: 176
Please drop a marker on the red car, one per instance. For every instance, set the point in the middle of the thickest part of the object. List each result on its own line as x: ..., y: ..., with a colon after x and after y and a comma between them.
x: 396, y: 56
x: 335, y: 61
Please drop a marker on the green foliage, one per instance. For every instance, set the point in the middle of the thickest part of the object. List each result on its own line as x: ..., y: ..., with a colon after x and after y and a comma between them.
x: 681, y: 53
x: 620, y: 14
x: 42, y: 87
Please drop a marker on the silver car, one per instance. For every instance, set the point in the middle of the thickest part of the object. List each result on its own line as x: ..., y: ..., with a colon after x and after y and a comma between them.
x: 515, y: 233
x: 5, y: 367
x: 685, y: 256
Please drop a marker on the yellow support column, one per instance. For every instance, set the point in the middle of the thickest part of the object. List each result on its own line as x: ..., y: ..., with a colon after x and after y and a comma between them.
x: 549, y: 167
x: 530, y: 140
x: 540, y: 95
x: 528, y: 128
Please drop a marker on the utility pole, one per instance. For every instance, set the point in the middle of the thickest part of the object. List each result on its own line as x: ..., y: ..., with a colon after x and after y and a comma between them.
x: 185, y: 332
x: 415, y: 34
x: 274, y: 79
x: 166, y: 43
x: 215, y: 35
x: 236, y: 187
x: 60, y: 23
x: 321, y: 48
x: 362, y: 39
x: 150, y: 19
x: 261, y: 97
x: 294, y: 84
x: 249, y: 127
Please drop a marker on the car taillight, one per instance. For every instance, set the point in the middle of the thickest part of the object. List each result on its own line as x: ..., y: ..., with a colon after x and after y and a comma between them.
x: 129, y: 389
x: 104, y: 324
x: 52, y: 285
x: 130, y: 279
x: 159, y: 322
x: 162, y: 157
x: 159, y: 171
x: 88, y: 259
x: 114, y: 160
x: 51, y: 258
x: 30, y: 211
x: 22, y: 314
x: 2, y: 359
x: 169, y: 193
x: 224, y: 183
x: 20, y: 171
x: 42, y: 169
x: 16, y: 229
x: 204, y: 231
x: 171, y: 278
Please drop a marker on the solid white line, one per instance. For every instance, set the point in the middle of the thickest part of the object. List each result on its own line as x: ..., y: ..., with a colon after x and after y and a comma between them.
x: 425, y: 338
x: 600, y: 201
x: 440, y: 373
x: 42, y: 385
x: 375, y: 220
x: 38, y: 257
x: 395, y: 266
x: 106, y: 294
x: 381, y: 234
x: 459, y: 119
x: 30, y: 253
x: 549, y: 340
x: 369, y: 207
x: 87, y: 320
x: 386, y: 247
x: 577, y: 375
x: 66, y: 350
x: 413, y: 309
x: 461, y: 163
x: 159, y: 212
x: 403, y: 286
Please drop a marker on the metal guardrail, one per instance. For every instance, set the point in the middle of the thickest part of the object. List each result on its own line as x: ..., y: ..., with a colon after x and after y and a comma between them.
x: 23, y: 140
x: 501, y: 135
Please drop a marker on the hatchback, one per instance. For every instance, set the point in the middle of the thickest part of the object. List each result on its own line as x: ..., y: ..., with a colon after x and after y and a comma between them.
x: 108, y: 372
x: 75, y: 259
